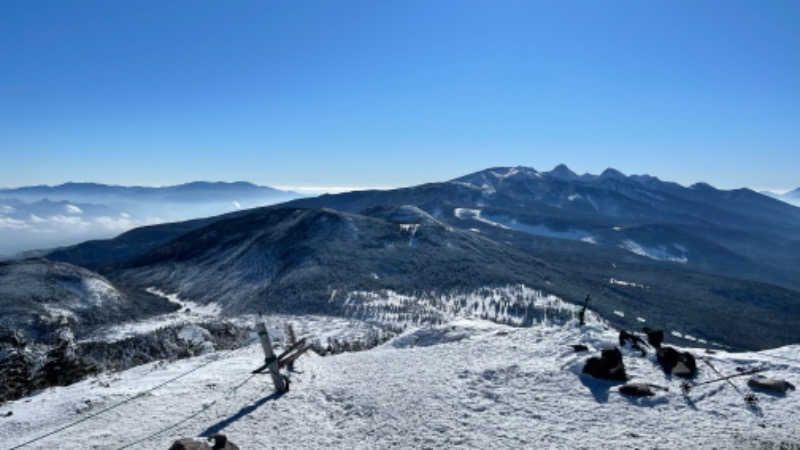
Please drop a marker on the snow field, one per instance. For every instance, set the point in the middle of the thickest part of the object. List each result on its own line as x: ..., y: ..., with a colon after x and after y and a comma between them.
x: 466, y: 384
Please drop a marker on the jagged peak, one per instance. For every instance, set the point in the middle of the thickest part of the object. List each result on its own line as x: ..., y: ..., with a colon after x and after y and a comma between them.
x: 489, y: 178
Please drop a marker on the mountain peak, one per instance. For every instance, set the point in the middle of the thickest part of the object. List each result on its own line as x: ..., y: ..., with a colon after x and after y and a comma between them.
x: 612, y: 173
x: 563, y: 172
x: 491, y: 178
x: 702, y: 186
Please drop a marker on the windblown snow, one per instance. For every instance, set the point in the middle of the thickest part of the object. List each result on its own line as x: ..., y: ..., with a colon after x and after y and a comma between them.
x: 513, y: 224
x: 466, y: 384
x: 658, y: 253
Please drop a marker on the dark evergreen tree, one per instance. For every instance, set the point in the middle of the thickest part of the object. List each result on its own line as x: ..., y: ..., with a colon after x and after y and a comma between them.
x: 16, y: 371
x: 62, y: 365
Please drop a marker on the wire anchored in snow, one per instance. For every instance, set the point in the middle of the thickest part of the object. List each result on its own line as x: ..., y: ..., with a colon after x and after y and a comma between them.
x: 103, y: 411
x: 750, y: 399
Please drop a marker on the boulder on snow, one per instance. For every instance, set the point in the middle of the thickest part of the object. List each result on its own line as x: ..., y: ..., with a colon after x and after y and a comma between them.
x: 769, y: 384
x: 220, y: 442
x: 680, y: 364
x: 608, y: 366
x: 654, y: 337
x: 686, y: 367
x: 636, y: 390
x: 579, y: 348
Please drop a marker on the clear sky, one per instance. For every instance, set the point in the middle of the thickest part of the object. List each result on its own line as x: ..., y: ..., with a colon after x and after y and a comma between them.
x: 394, y: 93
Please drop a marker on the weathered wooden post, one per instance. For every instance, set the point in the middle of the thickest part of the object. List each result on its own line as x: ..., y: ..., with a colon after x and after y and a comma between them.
x: 270, y: 360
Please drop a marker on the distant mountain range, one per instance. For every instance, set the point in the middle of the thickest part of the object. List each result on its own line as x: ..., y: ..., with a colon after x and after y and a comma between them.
x: 737, y: 232
x: 37, y: 217
x: 195, y: 192
x: 791, y: 197
x: 722, y: 265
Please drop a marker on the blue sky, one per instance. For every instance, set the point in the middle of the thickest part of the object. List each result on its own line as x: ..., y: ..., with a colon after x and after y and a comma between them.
x: 394, y: 93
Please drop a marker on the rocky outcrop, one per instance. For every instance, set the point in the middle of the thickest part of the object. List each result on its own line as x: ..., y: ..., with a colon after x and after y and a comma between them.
x: 608, y: 366
x: 680, y: 364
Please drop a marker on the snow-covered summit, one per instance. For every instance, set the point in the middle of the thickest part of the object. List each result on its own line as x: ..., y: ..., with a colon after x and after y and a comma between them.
x: 476, y: 385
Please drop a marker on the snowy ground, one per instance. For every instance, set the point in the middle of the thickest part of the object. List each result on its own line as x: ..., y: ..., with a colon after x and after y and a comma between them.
x: 469, y: 384
x: 189, y: 312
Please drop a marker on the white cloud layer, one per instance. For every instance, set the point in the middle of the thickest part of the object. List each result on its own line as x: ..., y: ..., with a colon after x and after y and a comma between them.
x: 72, y: 209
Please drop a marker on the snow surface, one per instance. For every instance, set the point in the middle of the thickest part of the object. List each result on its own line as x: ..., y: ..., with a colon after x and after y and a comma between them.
x: 626, y: 283
x: 659, y: 253
x: 512, y: 224
x: 466, y: 384
x: 475, y: 214
x: 189, y: 312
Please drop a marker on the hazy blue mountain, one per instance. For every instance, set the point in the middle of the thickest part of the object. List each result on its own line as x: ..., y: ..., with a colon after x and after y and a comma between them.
x: 791, y: 197
x: 199, y: 191
x: 37, y: 217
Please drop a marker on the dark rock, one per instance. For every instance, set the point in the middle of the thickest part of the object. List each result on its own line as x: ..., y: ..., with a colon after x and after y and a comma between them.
x: 680, y: 364
x: 654, y: 337
x: 686, y: 366
x: 636, y: 390
x: 769, y: 384
x: 220, y: 443
x: 667, y: 358
x: 608, y: 366
x: 612, y: 355
x: 596, y: 367
x: 579, y: 348
x: 617, y: 373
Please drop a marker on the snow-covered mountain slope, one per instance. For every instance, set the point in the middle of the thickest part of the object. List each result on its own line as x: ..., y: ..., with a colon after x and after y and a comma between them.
x: 294, y: 260
x: 467, y: 384
x: 37, y: 296
x: 736, y: 233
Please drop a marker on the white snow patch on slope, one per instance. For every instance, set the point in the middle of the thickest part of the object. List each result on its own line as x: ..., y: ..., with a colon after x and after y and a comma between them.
x: 496, y: 387
x: 475, y: 214
x: 626, y: 283
x: 56, y: 312
x: 189, y: 312
x: 539, y: 229
x: 411, y: 229
x: 92, y: 292
x: 512, y: 224
x: 659, y: 253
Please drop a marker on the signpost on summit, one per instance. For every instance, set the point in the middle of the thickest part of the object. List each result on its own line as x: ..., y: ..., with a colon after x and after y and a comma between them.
x: 276, y: 363
x: 270, y: 360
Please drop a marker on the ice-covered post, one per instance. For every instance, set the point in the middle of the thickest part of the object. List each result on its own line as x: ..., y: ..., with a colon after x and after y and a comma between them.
x: 269, y: 357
